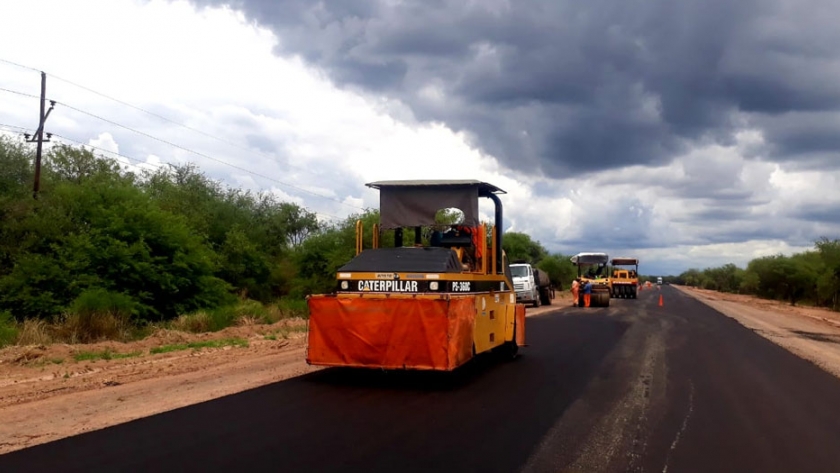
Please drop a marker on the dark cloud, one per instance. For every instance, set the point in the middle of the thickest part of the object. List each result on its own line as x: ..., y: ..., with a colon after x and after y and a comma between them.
x: 261, y: 142
x: 567, y: 87
x: 810, y: 139
x: 626, y: 224
x: 823, y: 212
x: 718, y: 214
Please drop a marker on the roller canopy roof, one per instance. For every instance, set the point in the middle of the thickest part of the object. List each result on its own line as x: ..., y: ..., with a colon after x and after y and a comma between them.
x: 413, y: 203
x: 590, y: 258
x: 624, y: 261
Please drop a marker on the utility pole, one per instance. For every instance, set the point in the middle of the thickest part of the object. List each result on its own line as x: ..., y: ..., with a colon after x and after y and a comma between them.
x: 39, y: 135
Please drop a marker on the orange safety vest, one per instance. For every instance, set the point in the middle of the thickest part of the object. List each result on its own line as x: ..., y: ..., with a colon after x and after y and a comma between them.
x: 477, y: 235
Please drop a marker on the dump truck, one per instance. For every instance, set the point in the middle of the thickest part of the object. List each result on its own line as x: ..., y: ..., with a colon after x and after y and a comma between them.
x: 433, y: 304
x: 591, y: 267
x: 532, y: 285
x: 624, y: 282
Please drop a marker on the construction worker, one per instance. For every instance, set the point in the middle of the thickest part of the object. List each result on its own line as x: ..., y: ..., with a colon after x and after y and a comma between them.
x: 473, y: 254
x: 587, y: 293
x: 575, y: 292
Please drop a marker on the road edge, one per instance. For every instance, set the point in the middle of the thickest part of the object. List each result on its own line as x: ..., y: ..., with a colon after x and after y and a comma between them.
x: 783, y: 337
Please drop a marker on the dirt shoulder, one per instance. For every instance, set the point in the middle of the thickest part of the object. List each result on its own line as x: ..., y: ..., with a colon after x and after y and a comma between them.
x: 55, y: 391
x: 562, y: 299
x: 809, y: 332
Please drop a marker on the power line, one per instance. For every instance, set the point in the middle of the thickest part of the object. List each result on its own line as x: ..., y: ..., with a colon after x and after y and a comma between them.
x: 197, y: 153
x: 171, y: 143
x: 139, y: 161
x: 156, y: 115
x: 19, y: 93
x: 174, y: 122
x: 19, y: 65
x: 14, y: 126
x: 13, y: 130
x: 161, y: 117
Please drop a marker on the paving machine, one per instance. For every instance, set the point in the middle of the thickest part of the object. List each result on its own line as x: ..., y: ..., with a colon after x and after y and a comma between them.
x: 592, y: 268
x: 432, y: 304
x: 624, y: 282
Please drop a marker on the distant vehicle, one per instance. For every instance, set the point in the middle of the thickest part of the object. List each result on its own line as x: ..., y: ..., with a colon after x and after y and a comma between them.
x: 591, y: 267
x: 659, y: 280
x: 531, y: 285
x: 624, y: 281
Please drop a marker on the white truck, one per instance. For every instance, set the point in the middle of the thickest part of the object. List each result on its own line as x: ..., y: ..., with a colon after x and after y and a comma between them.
x: 531, y: 285
x: 659, y: 280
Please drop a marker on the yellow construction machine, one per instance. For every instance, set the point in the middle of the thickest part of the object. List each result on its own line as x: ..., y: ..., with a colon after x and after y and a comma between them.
x: 592, y: 269
x: 432, y: 304
x: 624, y: 283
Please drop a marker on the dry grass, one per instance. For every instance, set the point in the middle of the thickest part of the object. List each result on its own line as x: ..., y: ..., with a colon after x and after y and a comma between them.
x: 34, y: 332
x: 193, y: 323
x: 93, y: 327
x: 286, y: 331
x: 226, y: 342
x: 96, y: 326
x: 249, y: 321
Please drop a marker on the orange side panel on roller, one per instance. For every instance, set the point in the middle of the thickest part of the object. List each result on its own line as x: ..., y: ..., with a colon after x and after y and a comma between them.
x: 390, y: 333
x: 520, y: 324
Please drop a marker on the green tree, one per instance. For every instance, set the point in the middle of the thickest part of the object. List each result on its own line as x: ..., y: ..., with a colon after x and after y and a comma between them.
x: 726, y: 278
x: 68, y: 164
x: 254, y: 235
x: 828, y: 284
x: 15, y: 171
x: 520, y: 246
x: 319, y: 256
x: 243, y: 265
x: 783, y: 277
x: 92, y: 227
x: 750, y: 282
x: 560, y: 269
x: 691, y: 277
x: 449, y: 216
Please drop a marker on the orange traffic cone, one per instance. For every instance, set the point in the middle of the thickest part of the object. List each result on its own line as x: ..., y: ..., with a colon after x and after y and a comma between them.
x: 660, y: 300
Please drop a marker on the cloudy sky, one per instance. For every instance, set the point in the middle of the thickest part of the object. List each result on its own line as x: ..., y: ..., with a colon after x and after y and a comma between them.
x: 688, y: 134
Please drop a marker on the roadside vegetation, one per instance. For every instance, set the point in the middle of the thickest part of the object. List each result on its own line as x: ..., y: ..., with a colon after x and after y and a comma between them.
x: 809, y: 278
x: 227, y: 342
x: 109, y: 254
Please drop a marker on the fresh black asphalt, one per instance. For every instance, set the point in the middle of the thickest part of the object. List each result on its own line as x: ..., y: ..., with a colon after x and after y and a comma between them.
x: 632, y: 387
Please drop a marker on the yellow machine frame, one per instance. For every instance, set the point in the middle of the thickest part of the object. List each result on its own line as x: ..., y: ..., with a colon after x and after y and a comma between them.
x: 345, y: 336
x: 624, y: 283
x: 495, y: 308
x: 601, y: 286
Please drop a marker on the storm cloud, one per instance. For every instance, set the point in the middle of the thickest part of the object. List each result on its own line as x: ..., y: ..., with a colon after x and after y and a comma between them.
x: 564, y: 88
x: 683, y: 133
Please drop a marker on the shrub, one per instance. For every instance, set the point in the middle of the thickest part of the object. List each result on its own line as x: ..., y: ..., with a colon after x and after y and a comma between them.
x: 196, y: 322
x: 291, y: 307
x: 34, y: 332
x: 97, y: 314
x: 8, y: 329
x: 101, y: 301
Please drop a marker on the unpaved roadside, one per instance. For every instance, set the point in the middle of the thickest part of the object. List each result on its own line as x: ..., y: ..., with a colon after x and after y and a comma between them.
x: 562, y: 299
x: 46, y: 395
x: 811, y: 333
